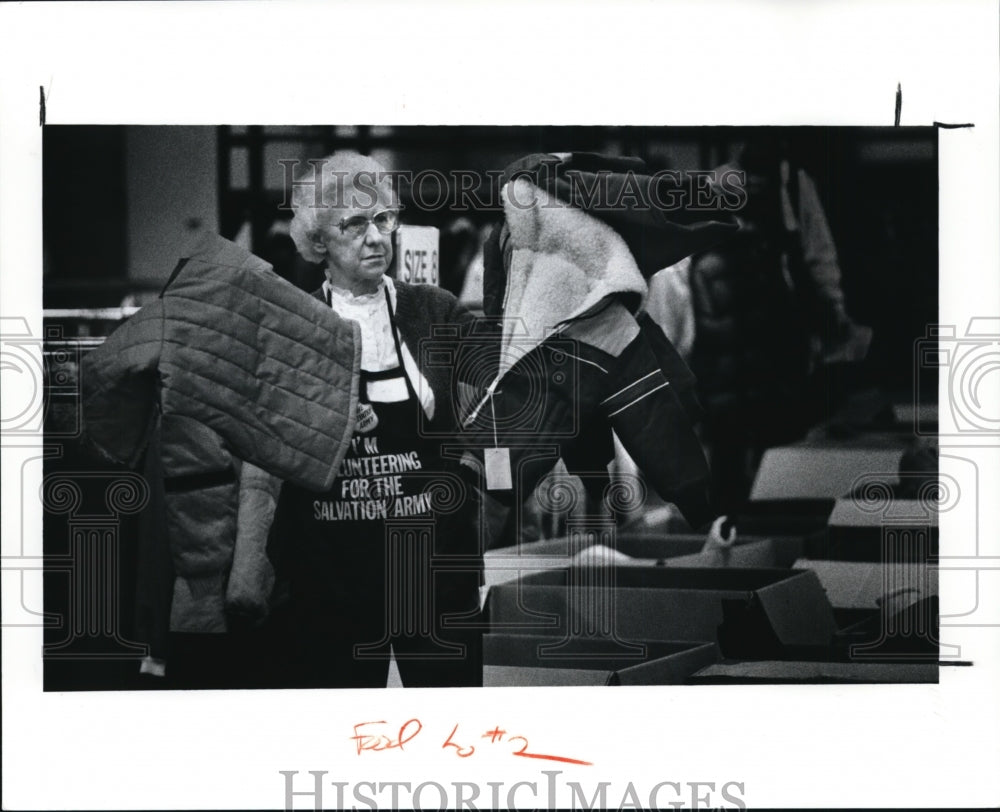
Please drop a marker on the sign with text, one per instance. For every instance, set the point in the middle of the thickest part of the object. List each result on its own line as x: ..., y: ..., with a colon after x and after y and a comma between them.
x: 417, y: 254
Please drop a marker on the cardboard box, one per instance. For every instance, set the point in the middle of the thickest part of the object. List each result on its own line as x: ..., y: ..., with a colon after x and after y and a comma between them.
x: 780, y: 518
x: 510, y: 563
x: 862, y: 585
x: 747, y: 612
x: 856, y: 534
x: 908, y: 414
x: 791, y: 671
x: 899, y: 632
x: 847, y: 512
x: 809, y: 472
x: 534, y: 660
x: 868, y: 544
x: 895, y: 608
x: 745, y: 554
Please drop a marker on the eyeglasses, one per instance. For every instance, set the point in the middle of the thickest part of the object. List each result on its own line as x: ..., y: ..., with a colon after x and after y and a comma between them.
x: 385, y: 221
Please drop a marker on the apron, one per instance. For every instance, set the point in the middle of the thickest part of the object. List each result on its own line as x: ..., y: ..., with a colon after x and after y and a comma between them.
x: 349, y: 575
x: 384, y: 478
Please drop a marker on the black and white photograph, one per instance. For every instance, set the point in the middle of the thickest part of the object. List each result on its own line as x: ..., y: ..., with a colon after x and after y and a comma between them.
x: 545, y: 437
x: 583, y: 411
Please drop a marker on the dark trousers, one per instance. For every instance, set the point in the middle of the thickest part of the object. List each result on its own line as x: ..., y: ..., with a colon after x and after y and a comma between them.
x: 242, y: 658
x: 346, y: 645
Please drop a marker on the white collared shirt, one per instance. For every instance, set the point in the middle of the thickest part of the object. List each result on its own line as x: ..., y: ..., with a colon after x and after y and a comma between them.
x: 378, y: 349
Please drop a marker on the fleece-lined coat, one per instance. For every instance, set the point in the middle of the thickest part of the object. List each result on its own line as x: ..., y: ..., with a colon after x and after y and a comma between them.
x: 231, y: 365
x: 576, y: 362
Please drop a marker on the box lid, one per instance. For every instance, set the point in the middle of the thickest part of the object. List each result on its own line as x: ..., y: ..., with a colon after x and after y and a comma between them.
x: 590, y: 661
x: 791, y: 671
x: 775, y: 607
x: 801, y: 472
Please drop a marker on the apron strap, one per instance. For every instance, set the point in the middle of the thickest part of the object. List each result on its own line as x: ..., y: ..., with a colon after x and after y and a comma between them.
x: 399, y: 351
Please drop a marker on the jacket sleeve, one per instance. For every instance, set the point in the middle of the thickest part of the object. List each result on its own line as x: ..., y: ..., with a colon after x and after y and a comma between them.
x: 251, y: 578
x: 119, y: 388
x: 650, y: 403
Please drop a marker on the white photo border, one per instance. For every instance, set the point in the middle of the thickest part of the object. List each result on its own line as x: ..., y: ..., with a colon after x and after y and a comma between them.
x: 688, y: 63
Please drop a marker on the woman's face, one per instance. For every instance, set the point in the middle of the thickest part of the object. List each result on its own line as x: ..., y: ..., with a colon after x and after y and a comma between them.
x: 357, y: 261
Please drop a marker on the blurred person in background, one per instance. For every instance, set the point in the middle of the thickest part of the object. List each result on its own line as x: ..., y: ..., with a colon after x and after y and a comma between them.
x: 769, y: 313
x: 460, y: 243
x: 280, y: 252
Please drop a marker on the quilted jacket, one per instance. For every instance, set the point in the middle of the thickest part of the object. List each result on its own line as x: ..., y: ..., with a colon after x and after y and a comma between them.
x: 231, y: 369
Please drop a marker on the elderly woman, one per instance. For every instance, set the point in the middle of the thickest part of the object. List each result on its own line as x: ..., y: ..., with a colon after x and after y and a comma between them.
x: 389, y: 556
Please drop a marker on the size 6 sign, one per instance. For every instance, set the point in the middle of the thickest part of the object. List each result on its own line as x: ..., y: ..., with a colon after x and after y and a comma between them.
x: 417, y: 249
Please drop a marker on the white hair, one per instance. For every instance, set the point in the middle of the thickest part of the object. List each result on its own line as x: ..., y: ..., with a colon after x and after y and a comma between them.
x: 331, y: 185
